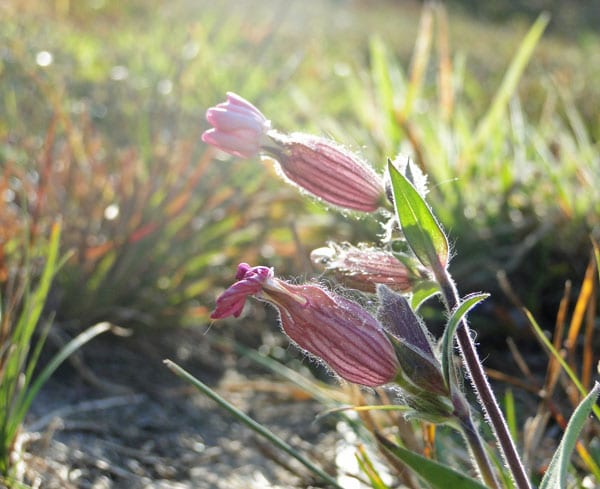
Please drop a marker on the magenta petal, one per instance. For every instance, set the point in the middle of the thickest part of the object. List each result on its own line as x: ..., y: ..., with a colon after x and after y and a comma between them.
x: 250, y: 282
x: 235, y: 100
x: 231, y: 302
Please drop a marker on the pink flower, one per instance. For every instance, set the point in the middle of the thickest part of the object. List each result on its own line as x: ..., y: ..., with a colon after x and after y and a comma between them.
x: 324, y: 324
x: 328, y: 171
x: 317, y: 165
x: 238, y: 127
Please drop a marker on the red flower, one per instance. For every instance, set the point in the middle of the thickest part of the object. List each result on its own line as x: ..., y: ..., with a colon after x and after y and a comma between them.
x: 338, y: 331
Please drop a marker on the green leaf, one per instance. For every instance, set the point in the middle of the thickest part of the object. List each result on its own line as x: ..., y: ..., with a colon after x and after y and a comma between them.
x: 511, y: 414
x: 434, y: 473
x: 367, y: 468
x: 420, y: 227
x: 386, y: 88
x: 556, y: 475
x: 56, y: 361
x: 448, y: 338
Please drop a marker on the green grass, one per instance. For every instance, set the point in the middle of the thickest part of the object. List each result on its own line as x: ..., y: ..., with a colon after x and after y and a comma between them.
x: 22, y: 336
x: 510, y: 152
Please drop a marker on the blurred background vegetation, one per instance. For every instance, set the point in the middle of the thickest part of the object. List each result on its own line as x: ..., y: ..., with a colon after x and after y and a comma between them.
x: 103, y: 103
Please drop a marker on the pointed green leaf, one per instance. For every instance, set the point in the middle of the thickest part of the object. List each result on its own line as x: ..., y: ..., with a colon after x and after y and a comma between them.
x: 420, y: 227
x: 65, y: 352
x: 387, y: 80
x: 434, y: 473
x: 448, y: 338
x: 556, y: 475
x: 559, y: 358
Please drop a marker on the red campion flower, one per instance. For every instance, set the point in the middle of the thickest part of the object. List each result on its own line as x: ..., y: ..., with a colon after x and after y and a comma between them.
x: 338, y: 331
x: 317, y: 165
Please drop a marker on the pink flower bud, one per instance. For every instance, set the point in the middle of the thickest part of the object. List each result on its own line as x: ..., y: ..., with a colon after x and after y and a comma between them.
x: 364, y: 268
x: 326, y: 325
x: 238, y: 127
x: 317, y: 165
x: 328, y: 171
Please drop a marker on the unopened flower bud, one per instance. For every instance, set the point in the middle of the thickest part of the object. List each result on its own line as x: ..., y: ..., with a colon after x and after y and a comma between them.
x: 317, y: 165
x: 397, y: 317
x: 328, y: 171
x: 324, y: 324
x: 238, y: 127
x: 363, y: 268
x: 412, y: 342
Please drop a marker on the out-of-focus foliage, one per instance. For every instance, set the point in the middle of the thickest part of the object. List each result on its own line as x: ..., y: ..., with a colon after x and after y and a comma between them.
x: 102, y: 117
x: 570, y: 17
x: 517, y: 192
x: 103, y: 102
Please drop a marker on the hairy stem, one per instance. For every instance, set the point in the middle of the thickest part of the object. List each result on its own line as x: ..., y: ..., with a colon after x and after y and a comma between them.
x: 482, y: 387
x: 478, y: 452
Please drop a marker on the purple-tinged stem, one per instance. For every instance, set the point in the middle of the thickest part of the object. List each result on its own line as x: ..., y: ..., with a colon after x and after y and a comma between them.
x: 474, y: 442
x: 481, y: 385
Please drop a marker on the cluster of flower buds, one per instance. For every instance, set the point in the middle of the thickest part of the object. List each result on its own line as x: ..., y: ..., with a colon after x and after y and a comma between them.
x: 391, y: 347
x: 317, y: 165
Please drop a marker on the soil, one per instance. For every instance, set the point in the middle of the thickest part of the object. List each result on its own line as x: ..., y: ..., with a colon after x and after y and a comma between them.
x: 115, y: 417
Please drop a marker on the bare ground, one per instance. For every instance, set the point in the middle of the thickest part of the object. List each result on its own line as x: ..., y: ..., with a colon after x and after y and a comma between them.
x: 117, y: 418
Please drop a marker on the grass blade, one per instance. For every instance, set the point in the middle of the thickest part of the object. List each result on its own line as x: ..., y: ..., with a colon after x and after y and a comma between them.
x: 556, y: 475
x: 72, y: 346
x: 253, y: 425
x: 546, y: 342
x: 384, y: 87
x: 511, y: 414
x: 509, y: 83
x: 367, y: 467
x: 420, y: 60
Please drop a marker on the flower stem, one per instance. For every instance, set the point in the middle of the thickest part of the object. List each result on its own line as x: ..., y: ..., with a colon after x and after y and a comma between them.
x: 482, y: 387
x: 478, y: 452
